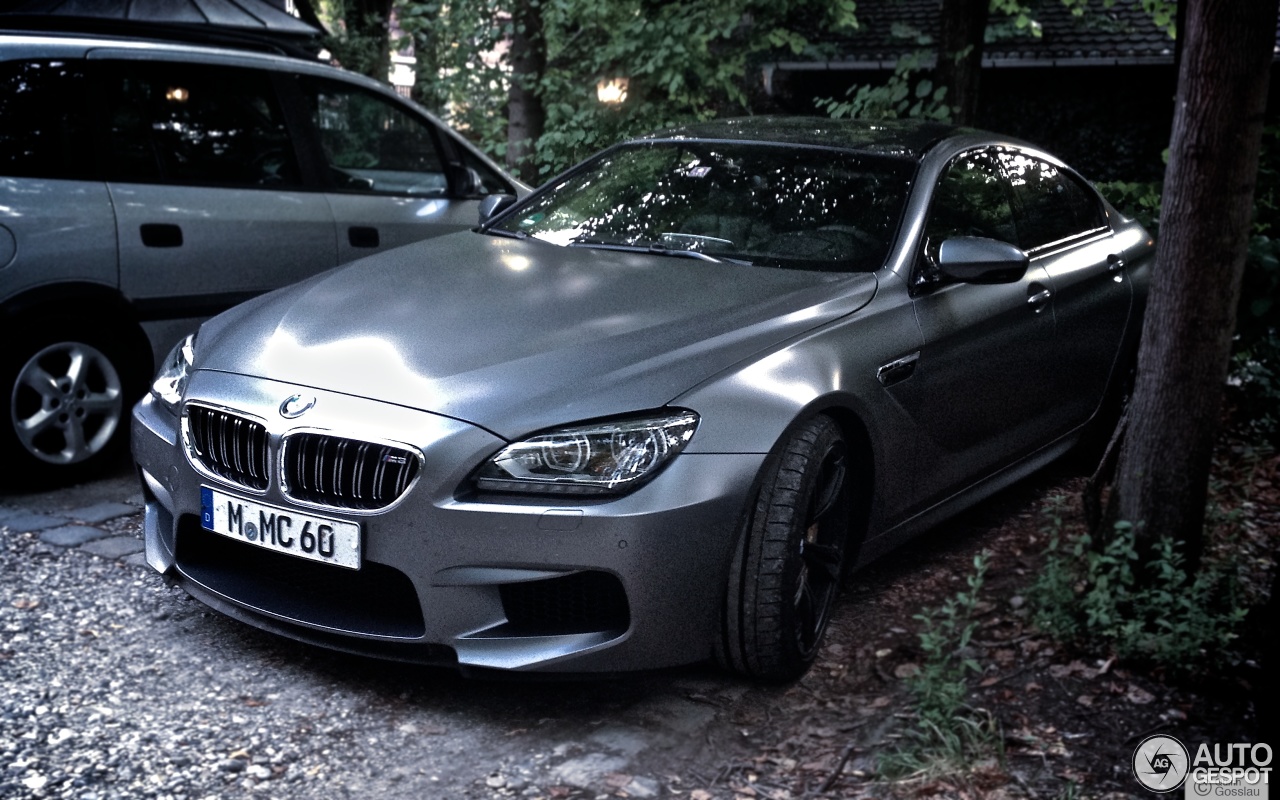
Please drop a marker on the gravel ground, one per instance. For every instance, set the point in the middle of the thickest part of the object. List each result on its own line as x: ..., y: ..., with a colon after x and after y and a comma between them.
x: 114, y: 685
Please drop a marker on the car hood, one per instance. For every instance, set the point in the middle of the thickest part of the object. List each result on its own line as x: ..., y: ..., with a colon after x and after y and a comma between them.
x: 515, y: 336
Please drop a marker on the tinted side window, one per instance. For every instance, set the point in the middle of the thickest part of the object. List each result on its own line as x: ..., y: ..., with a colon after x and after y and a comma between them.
x: 44, y: 125
x: 196, y: 124
x: 1052, y: 205
x: 371, y: 144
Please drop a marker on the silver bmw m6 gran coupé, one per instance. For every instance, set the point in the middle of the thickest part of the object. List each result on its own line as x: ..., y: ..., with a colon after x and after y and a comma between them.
x: 652, y: 414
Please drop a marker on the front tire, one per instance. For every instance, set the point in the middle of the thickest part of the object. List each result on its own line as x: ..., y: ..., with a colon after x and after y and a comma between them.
x: 69, y: 390
x: 788, y: 564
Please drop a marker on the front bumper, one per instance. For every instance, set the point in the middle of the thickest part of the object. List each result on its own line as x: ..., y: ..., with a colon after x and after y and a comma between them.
x: 550, y: 584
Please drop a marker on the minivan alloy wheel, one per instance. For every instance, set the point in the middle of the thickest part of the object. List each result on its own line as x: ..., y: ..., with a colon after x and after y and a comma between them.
x: 67, y: 402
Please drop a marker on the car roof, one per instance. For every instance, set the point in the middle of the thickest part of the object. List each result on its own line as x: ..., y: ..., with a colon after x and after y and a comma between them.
x: 910, y: 139
x: 261, y: 27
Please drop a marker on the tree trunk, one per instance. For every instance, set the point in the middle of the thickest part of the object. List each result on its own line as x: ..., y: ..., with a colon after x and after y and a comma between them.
x: 961, y: 29
x: 1163, y: 473
x: 525, y: 114
x: 366, y: 47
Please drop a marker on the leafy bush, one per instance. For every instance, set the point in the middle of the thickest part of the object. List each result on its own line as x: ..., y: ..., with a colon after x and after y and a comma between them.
x: 1137, y: 199
x: 1150, y: 610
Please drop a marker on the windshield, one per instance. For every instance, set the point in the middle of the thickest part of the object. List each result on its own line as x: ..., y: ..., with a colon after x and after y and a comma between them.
x: 767, y: 205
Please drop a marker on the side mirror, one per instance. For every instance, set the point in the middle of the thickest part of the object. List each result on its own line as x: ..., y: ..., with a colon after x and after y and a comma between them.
x: 495, y: 204
x: 467, y: 183
x: 973, y: 259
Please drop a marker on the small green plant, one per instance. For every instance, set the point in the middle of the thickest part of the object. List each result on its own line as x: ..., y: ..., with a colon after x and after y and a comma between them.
x: 1152, y: 610
x: 948, y: 735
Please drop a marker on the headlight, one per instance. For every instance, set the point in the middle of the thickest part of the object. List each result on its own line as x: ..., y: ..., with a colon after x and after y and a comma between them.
x: 599, y: 458
x: 171, y: 381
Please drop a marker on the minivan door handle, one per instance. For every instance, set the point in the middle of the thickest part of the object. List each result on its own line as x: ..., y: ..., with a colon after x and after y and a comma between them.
x: 156, y: 234
x: 363, y: 236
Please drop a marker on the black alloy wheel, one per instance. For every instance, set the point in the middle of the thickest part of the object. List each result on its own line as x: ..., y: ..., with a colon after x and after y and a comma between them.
x: 787, y: 568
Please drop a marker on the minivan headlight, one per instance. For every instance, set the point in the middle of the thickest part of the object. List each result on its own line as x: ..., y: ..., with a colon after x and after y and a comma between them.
x: 610, y: 457
x: 170, y: 383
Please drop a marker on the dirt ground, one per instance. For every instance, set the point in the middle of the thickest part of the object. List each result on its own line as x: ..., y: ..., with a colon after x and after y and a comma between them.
x: 1069, y: 720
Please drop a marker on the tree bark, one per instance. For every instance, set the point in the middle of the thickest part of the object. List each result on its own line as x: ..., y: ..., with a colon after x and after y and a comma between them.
x: 962, y: 26
x: 525, y: 113
x: 1163, y: 474
x: 366, y: 46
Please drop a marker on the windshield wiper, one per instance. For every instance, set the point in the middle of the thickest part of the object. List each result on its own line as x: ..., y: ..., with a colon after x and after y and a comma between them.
x: 651, y: 249
x: 504, y: 232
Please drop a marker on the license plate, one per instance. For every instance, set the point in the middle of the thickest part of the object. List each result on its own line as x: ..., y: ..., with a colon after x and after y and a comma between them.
x: 284, y: 530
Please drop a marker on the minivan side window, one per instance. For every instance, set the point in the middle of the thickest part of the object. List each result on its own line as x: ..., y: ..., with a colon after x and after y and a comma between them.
x: 195, y: 124
x: 44, y: 120
x: 372, y: 145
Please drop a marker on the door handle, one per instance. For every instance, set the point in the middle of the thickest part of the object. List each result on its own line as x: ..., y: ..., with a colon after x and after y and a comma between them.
x: 155, y: 234
x: 363, y: 236
x: 898, y: 369
x: 1115, y: 266
x: 1038, y: 297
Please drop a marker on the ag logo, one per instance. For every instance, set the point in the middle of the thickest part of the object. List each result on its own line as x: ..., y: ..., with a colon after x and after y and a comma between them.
x: 1160, y: 763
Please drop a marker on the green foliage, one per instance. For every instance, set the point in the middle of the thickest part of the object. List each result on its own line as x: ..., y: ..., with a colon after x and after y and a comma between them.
x: 1254, y: 386
x: 909, y: 92
x: 1019, y: 19
x: 357, y: 43
x: 1137, y: 199
x: 1163, y: 12
x: 684, y: 62
x: 948, y: 735
x: 1148, y: 610
x: 456, y: 78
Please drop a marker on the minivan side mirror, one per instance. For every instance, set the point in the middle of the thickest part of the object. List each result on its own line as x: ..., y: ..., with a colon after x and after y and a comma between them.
x: 495, y: 204
x: 973, y: 259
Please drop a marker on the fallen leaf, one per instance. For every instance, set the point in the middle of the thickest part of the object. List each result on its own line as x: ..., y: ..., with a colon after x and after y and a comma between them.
x: 1085, y: 700
x: 25, y: 603
x: 903, y: 671
x: 1139, y: 696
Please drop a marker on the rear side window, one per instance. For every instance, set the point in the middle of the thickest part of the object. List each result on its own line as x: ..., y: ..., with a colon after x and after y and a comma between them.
x: 44, y: 120
x: 1052, y: 206
x: 195, y: 124
x: 371, y: 144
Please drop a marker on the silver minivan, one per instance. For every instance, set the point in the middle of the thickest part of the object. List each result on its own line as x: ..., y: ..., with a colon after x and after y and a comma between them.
x: 145, y: 185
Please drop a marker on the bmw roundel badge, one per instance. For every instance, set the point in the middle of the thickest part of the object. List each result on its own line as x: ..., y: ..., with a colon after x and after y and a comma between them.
x: 297, y: 405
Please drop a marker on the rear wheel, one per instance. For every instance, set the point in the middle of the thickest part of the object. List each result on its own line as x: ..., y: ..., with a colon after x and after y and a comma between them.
x: 70, y: 389
x: 786, y: 571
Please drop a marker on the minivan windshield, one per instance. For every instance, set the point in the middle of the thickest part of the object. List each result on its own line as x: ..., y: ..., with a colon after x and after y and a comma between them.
x: 763, y: 204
